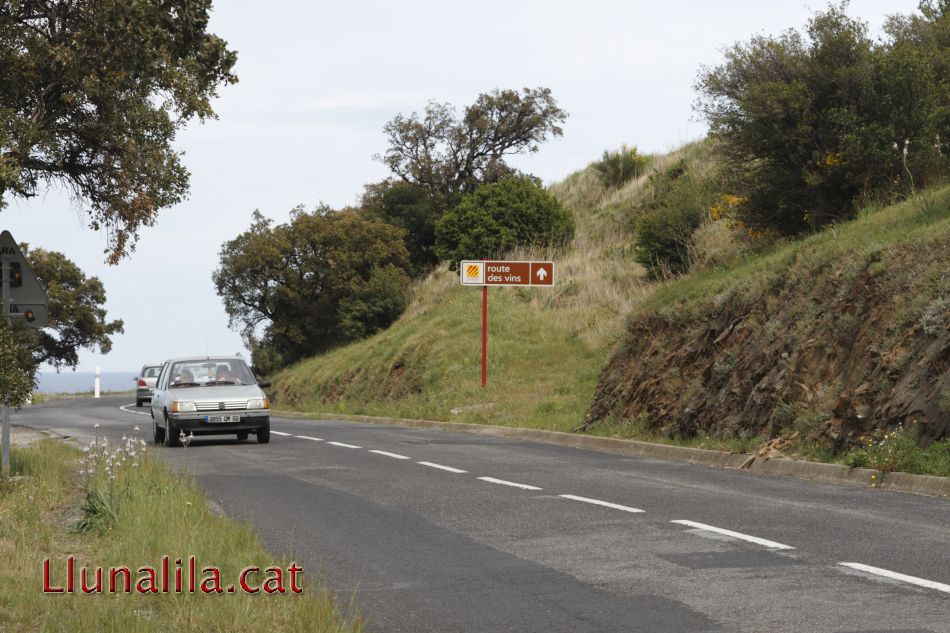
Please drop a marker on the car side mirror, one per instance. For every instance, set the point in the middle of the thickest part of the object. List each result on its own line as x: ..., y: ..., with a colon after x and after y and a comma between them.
x: 263, y: 384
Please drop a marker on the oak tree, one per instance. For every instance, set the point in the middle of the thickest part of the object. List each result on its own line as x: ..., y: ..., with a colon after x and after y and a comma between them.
x: 77, y: 316
x: 322, y: 279
x: 93, y: 92
x: 448, y: 156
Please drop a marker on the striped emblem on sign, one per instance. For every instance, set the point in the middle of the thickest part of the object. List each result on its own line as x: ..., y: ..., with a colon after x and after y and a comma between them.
x: 471, y: 270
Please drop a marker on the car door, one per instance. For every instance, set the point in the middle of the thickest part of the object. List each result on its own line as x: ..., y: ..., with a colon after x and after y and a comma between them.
x: 159, y: 395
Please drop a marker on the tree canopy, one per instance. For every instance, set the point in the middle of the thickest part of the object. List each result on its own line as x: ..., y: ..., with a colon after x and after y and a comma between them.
x: 92, y: 95
x: 17, y: 365
x: 437, y: 158
x: 322, y: 279
x: 497, y: 217
x: 812, y: 121
x: 448, y: 156
x: 408, y: 207
x: 77, y: 318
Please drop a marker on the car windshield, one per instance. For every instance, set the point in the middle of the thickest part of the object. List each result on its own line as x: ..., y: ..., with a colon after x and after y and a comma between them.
x: 211, y: 372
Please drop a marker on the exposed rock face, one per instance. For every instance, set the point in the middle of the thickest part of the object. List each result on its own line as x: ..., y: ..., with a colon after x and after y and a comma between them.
x: 834, y: 350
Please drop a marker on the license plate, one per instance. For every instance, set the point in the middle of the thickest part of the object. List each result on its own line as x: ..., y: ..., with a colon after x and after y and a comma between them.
x: 222, y: 418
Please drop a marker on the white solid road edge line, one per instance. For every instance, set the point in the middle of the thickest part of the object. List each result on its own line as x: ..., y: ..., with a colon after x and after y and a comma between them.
x: 395, y: 455
x: 123, y: 407
x: 344, y: 445
x: 738, y: 535
x: 307, y: 437
x: 280, y: 433
x: 441, y: 467
x: 492, y: 480
x: 893, y: 575
x: 606, y: 504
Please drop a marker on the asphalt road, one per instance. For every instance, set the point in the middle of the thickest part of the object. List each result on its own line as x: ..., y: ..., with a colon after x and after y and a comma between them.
x: 424, y: 531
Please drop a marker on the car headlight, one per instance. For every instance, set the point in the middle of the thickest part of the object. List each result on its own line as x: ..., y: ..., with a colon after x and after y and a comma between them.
x: 183, y: 407
x: 258, y: 403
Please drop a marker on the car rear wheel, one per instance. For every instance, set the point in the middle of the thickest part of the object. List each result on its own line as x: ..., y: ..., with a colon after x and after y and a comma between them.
x: 172, y: 437
x: 158, y: 433
x: 242, y: 435
x: 138, y: 403
x: 263, y: 434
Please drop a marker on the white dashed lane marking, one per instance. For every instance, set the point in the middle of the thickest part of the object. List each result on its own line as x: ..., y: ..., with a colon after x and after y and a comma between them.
x: 279, y: 433
x: 123, y: 408
x: 738, y: 535
x: 441, y: 467
x: 513, y: 484
x: 307, y: 437
x: 344, y: 445
x: 893, y: 575
x: 394, y: 455
x: 606, y: 504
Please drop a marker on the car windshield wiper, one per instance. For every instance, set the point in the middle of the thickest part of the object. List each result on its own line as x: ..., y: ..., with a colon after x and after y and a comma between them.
x: 220, y: 382
x: 185, y: 384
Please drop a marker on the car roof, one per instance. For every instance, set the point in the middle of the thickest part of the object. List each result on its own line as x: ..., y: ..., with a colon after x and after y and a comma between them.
x: 198, y: 359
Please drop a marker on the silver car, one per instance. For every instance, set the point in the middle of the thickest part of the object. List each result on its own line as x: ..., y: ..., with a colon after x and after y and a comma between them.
x: 145, y: 382
x: 215, y: 395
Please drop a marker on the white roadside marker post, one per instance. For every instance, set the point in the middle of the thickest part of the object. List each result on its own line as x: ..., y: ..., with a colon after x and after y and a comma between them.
x: 97, y: 383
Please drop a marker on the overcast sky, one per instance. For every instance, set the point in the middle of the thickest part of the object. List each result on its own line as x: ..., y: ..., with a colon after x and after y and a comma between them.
x: 318, y: 80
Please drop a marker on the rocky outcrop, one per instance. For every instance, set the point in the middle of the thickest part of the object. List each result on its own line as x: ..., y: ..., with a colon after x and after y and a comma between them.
x: 832, y: 349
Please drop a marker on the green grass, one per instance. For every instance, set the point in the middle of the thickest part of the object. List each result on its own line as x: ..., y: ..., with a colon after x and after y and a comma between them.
x: 877, y: 232
x: 638, y: 430
x: 547, y: 348
x: 540, y: 374
x: 151, y: 513
x: 897, y: 450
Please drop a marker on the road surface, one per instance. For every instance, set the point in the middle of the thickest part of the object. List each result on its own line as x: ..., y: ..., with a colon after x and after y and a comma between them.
x: 437, y: 531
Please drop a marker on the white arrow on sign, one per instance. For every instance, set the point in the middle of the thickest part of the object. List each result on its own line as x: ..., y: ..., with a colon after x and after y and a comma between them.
x: 542, y: 274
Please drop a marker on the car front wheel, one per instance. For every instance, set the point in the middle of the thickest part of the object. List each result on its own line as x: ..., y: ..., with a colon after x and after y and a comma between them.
x: 263, y: 434
x: 172, y: 437
x: 158, y: 432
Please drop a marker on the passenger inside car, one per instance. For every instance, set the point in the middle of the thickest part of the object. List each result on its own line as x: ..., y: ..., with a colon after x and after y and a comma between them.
x: 223, y: 374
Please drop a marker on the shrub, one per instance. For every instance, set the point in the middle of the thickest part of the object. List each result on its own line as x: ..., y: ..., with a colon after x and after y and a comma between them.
x: 814, y: 121
x: 681, y: 197
x: 495, y: 218
x: 897, y: 450
x: 409, y: 207
x: 664, y: 239
x: 321, y: 280
x: 616, y: 168
x: 716, y: 244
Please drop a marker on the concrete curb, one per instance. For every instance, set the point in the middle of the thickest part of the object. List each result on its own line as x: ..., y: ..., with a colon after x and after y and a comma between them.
x: 837, y: 474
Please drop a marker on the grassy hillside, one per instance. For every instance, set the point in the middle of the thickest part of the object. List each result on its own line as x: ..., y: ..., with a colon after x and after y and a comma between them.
x: 546, y: 346
x: 824, y: 343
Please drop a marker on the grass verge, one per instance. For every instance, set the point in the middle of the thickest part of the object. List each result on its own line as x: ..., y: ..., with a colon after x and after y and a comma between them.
x: 133, y: 518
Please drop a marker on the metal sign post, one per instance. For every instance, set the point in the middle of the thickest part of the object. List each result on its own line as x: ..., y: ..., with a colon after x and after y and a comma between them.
x: 484, y: 335
x: 503, y: 273
x: 24, y: 299
x: 5, y: 270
